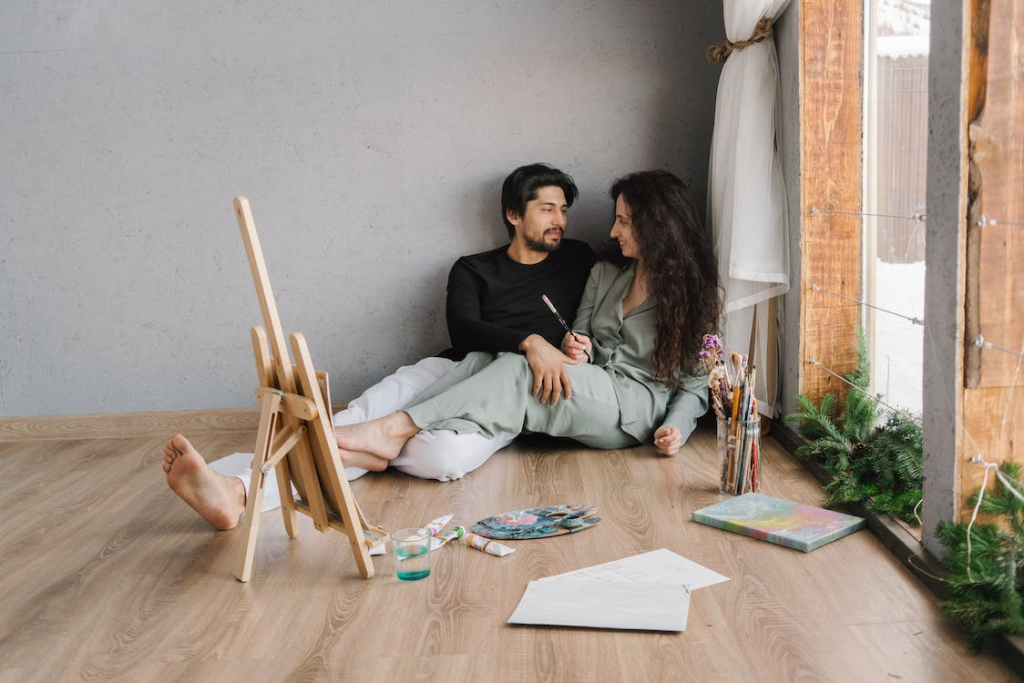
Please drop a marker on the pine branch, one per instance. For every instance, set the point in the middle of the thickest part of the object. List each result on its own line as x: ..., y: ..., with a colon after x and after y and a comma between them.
x: 990, y: 598
x: 814, y: 422
x: 871, y: 459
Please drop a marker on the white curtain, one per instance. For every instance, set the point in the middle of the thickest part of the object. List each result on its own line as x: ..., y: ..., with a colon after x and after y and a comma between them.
x: 746, y: 193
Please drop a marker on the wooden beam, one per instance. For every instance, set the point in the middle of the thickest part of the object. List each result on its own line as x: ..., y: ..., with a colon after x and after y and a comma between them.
x: 831, y: 65
x: 994, y: 281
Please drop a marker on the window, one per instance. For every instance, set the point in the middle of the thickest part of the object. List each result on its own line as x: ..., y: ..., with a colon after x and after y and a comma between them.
x: 895, y: 170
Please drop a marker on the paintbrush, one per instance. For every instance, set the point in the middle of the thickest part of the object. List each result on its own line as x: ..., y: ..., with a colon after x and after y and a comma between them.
x: 562, y: 320
x: 736, y: 361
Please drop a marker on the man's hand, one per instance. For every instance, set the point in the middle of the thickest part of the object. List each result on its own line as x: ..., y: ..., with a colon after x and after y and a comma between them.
x: 550, y: 380
x: 577, y: 346
x: 668, y: 440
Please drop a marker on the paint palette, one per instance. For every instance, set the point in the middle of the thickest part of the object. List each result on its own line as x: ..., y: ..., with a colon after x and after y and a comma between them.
x: 540, y: 522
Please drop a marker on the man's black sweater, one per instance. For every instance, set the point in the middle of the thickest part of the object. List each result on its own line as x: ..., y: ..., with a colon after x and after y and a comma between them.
x: 494, y: 303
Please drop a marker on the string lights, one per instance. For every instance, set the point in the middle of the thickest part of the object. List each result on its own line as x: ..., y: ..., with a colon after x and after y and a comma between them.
x: 980, y: 342
x: 916, y: 216
x: 915, y: 320
x: 814, y: 361
x: 983, y: 222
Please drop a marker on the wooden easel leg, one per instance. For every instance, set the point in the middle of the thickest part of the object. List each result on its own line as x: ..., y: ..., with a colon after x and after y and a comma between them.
x: 284, y: 487
x: 254, y: 504
x: 325, y: 447
x: 265, y: 371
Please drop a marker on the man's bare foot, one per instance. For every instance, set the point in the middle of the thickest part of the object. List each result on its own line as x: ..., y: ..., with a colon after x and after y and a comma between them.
x: 218, y: 499
x: 373, y: 445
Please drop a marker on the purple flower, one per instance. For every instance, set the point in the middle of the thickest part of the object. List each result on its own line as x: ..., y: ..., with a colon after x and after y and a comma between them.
x: 711, y: 341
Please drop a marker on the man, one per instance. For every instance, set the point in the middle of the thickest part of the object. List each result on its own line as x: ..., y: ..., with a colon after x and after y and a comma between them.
x: 493, y: 305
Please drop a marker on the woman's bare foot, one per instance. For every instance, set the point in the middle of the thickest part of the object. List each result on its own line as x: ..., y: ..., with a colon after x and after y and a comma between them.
x: 366, y: 461
x: 218, y: 499
x: 373, y: 445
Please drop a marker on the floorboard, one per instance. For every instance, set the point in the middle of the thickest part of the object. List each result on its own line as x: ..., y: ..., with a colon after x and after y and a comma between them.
x: 105, y: 575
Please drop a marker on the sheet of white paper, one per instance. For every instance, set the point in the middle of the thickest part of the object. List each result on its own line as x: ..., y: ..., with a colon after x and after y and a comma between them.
x: 598, y: 604
x: 657, y: 566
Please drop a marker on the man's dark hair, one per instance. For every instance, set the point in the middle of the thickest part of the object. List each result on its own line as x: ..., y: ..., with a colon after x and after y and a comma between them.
x: 521, y: 186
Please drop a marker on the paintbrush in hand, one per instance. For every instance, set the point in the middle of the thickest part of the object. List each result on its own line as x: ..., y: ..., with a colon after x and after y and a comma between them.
x: 562, y: 320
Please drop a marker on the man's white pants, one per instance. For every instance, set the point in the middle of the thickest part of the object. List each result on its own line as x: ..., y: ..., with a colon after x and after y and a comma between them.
x: 438, y: 454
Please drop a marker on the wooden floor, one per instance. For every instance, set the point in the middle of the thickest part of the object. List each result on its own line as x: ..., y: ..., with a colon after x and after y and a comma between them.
x: 105, y: 575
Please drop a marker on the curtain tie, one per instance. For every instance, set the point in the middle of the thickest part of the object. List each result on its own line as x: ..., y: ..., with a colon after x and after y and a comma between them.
x: 719, y: 52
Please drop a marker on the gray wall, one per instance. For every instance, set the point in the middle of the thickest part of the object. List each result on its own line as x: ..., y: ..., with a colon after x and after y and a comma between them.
x: 370, y: 138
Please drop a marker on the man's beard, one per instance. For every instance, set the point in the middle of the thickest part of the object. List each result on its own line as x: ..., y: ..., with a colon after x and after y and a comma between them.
x: 541, y: 245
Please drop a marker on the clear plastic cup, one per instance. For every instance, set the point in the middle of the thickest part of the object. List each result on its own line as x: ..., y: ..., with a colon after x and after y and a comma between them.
x: 411, y: 548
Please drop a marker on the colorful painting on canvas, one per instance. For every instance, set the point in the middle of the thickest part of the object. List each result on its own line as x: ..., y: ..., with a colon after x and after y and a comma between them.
x: 778, y: 521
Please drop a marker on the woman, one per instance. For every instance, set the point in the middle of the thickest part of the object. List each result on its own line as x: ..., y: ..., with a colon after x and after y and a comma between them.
x: 644, y: 312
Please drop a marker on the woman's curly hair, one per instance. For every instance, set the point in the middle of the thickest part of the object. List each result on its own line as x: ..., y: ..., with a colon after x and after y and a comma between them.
x: 682, y: 273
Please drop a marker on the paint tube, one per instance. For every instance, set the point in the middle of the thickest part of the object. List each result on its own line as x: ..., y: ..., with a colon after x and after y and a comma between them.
x: 450, y: 535
x: 487, y: 545
x: 434, y: 527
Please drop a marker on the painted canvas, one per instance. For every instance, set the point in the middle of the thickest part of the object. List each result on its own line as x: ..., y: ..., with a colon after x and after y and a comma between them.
x: 778, y: 521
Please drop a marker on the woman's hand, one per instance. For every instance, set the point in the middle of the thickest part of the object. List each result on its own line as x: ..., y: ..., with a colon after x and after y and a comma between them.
x: 668, y: 440
x: 577, y: 346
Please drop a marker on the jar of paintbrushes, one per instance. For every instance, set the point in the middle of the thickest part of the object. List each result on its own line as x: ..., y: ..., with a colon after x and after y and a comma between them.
x: 731, y: 387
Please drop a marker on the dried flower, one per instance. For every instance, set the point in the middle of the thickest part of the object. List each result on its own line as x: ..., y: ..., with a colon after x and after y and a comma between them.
x: 710, y: 352
x: 711, y: 342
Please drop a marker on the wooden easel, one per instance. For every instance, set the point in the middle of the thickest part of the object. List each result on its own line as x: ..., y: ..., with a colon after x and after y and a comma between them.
x: 295, y: 436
